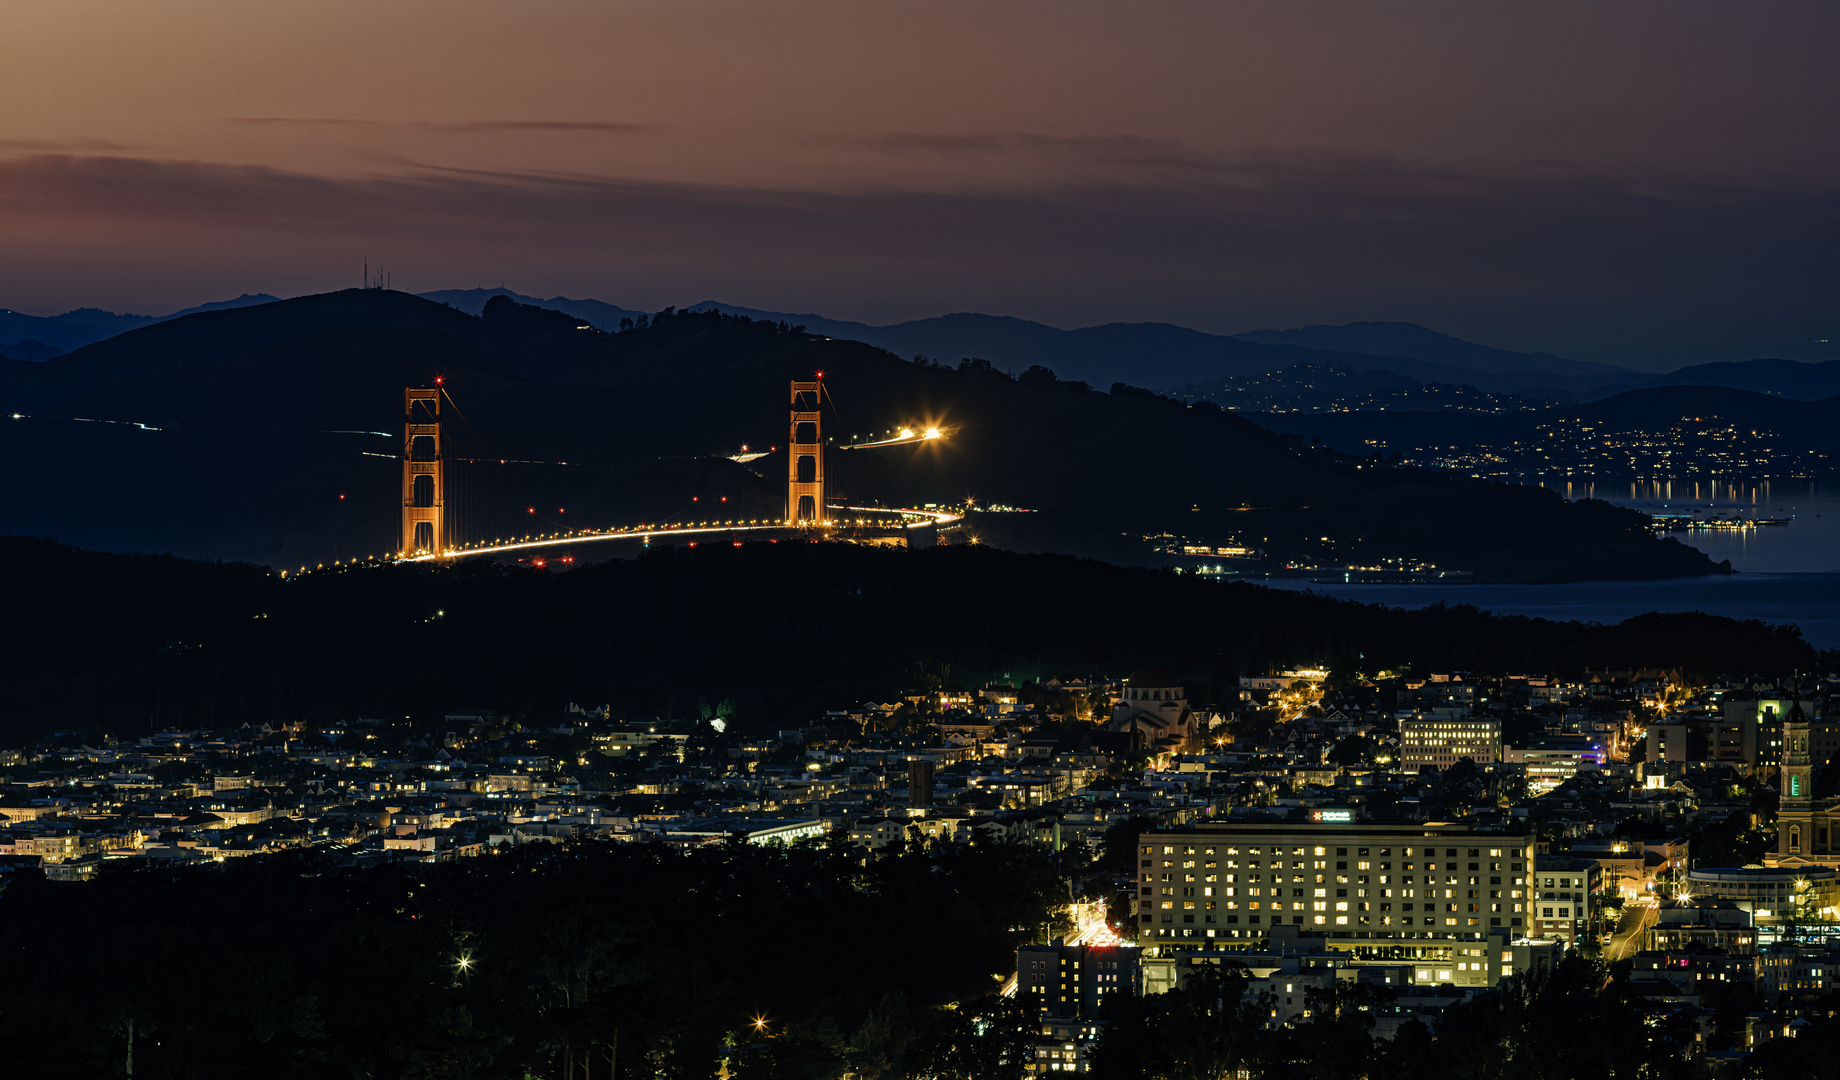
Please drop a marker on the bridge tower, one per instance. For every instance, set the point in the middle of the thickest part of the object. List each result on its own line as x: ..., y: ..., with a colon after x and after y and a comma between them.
x: 805, y: 456
x: 423, y: 494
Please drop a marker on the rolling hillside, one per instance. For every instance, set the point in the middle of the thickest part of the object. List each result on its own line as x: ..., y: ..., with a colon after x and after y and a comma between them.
x: 266, y: 415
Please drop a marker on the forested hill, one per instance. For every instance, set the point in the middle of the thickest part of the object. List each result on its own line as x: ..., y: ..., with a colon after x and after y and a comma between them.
x: 235, y: 433
x: 134, y: 643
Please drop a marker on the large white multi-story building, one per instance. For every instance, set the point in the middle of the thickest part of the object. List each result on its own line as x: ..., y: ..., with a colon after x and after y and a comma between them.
x: 1446, y: 737
x: 1435, y: 894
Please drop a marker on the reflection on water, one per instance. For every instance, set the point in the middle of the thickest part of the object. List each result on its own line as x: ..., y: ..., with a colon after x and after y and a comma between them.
x: 1810, y: 543
x: 1786, y: 574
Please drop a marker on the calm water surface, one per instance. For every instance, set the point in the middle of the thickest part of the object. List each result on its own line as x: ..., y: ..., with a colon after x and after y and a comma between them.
x: 1786, y: 574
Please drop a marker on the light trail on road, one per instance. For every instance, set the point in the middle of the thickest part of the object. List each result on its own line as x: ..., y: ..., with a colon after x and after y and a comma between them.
x: 907, y: 435
x: 591, y: 537
x: 1090, y: 929
x: 939, y: 517
x: 932, y: 517
x: 650, y: 532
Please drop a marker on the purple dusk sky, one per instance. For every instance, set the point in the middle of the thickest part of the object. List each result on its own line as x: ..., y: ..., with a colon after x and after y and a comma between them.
x: 1647, y: 183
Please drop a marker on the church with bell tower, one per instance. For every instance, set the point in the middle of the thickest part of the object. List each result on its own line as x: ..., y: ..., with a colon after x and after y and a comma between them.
x: 1805, y: 825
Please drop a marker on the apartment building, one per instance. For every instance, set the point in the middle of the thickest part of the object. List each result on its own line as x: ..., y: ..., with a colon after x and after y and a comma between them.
x: 1070, y: 981
x: 1565, y: 897
x: 1406, y: 893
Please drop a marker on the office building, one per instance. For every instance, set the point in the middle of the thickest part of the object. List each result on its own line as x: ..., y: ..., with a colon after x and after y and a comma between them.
x: 1446, y: 737
x: 1554, y: 759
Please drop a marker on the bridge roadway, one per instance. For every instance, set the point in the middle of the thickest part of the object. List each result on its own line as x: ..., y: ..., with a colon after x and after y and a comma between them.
x: 912, y: 519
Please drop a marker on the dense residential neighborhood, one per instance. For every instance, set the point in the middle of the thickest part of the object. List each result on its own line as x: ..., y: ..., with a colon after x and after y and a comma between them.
x: 1426, y: 836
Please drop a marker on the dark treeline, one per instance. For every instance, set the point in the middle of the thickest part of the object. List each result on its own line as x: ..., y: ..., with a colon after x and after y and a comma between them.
x: 511, y: 964
x: 1572, y: 1022
x: 596, y: 959
x: 130, y: 643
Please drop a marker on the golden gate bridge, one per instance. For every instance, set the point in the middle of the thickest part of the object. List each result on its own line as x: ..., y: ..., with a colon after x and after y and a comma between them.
x: 428, y: 518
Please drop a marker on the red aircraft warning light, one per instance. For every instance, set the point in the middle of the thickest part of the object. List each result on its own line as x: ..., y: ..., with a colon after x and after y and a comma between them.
x: 438, y: 380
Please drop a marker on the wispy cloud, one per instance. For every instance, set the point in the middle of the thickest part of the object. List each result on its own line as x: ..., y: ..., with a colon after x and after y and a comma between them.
x: 1139, y: 159
x: 460, y: 127
x: 74, y: 145
x: 1308, y: 238
x: 1024, y: 142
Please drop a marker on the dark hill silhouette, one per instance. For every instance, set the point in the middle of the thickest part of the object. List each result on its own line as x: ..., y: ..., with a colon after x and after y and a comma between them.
x: 209, y: 337
x: 128, y: 642
x: 1161, y: 355
x: 1144, y: 354
x: 1780, y: 378
x: 602, y: 315
x: 1357, y: 432
x: 85, y: 326
x: 243, y: 300
x: 71, y: 330
x: 1653, y: 407
x: 1811, y: 425
x: 31, y: 350
x: 258, y: 407
x: 328, y: 378
x: 1421, y: 343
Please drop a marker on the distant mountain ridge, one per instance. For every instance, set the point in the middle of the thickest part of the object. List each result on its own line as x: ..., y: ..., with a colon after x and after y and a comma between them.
x: 1153, y: 355
x: 602, y: 315
x: 1793, y: 379
x: 85, y: 326
x: 1422, y: 343
x: 1159, y: 356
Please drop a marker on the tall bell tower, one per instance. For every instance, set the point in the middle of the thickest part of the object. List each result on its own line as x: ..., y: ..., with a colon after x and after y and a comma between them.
x: 1799, y: 836
x: 423, y: 499
x: 805, y: 456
